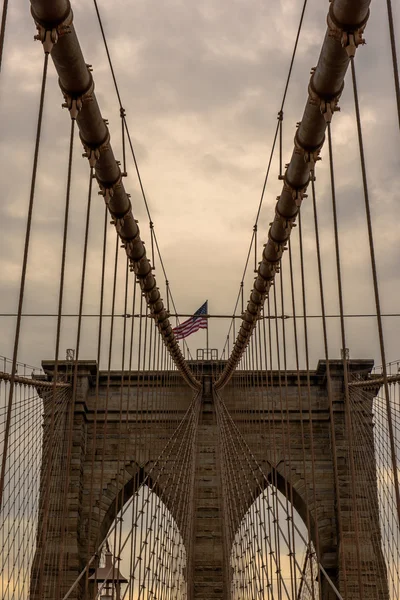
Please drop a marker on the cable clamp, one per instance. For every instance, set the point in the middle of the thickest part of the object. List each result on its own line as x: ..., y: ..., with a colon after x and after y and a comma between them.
x: 75, y: 103
x: 297, y: 194
x: 275, y: 266
x: 287, y: 222
x: 50, y: 35
x: 350, y: 38
x: 135, y: 250
x: 327, y: 105
x: 109, y: 191
x: 279, y: 247
x: 119, y: 223
x: 310, y: 155
x: 92, y: 153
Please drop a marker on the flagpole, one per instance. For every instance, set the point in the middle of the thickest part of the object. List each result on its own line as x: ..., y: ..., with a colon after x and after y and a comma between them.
x: 207, y: 332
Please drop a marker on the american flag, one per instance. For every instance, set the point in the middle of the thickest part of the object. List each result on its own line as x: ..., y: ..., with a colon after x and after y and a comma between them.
x: 193, y: 324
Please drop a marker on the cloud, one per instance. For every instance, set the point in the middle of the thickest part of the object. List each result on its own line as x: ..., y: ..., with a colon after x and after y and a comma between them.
x: 202, y: 86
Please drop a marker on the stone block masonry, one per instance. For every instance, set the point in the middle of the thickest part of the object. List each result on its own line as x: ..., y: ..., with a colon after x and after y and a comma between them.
x: 145, y: 425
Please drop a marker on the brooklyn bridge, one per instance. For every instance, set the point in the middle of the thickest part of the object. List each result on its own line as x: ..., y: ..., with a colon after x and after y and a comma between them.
x: 247, y: 449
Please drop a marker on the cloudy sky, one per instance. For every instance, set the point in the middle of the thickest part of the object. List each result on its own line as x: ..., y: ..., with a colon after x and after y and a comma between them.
x: 201, y: 83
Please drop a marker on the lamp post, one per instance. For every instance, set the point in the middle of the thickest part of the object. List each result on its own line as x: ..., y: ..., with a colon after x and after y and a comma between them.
x: 110, y: 579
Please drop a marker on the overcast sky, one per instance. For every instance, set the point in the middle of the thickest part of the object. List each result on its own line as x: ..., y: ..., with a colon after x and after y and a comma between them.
x: 201, y: 83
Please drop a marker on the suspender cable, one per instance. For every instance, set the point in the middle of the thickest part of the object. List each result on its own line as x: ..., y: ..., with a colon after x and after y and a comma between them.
x: 272, y: 152
x: 3, y: 29
x: 346, y: 22
x: 376, y: 286
x: 394, y: 56
x: 55, y: 21
x: 125, y: 128
x: 23, y: 274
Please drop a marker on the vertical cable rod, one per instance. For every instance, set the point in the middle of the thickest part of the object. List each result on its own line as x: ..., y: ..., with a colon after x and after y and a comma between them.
x: 376, y: 285
x: 23, y: 274
x: 394, y: 56
x: 345, y: 363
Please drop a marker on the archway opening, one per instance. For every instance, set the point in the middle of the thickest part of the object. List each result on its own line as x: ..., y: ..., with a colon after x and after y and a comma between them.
x: 147, y: 549
x: 272, y: 555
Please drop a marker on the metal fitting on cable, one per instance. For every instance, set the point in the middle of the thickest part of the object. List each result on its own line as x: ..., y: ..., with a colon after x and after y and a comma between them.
x: 327, y: 105
x: 120, y: 222
x: 350, y: 37
x: 109, y: 191
x: 49, y: 35
x: 93, y: 153
x: 286, y: 222
x: 310, y: 155
x: 279, y: 247
x: 124, y: 220
x: 75, y: 103
x: 299, y: 193
x: 135, y: 249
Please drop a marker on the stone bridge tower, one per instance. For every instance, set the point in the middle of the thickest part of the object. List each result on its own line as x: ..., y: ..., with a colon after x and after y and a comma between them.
x: 206, y: 573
